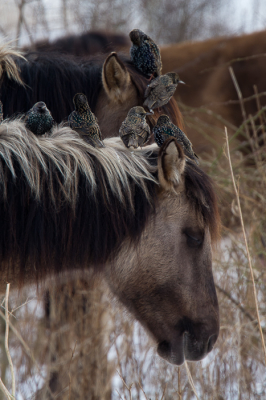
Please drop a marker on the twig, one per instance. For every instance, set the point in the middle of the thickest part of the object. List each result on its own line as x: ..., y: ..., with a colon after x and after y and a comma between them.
x: 246, y: 243
x: 239, y: 94
x: 237, y: 303
x: 26, y: 348
x: 6, y: 342
x: 179, y: 384
x: 259, y: 108
x: 141, y: 388
x: 239, y: 59
x: 191, y: 380
x: 4, y: 390
x: 73, y: 351
x: 128, y: 387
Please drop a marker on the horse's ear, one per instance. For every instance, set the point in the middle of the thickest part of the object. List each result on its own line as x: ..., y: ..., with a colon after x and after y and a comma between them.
x: 116, y: 78
x: 171, y: 164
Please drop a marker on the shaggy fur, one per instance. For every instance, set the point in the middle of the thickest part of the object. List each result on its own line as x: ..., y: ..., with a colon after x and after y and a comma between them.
x: 67, y: 205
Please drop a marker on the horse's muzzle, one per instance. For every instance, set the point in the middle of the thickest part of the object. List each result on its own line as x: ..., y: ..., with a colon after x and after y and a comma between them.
x: 185, y: 347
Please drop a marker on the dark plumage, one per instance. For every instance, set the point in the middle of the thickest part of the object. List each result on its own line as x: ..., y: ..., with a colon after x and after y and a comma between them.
x: 39, y: 119
x: 164, y: 129
x: 1, y: 112
x: 84, y: 122
x: 134, y: 130
x: 160, y: 90
x: 145, y: 54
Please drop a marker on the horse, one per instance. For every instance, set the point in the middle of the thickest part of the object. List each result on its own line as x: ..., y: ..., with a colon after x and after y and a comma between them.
x: 112, y: 85
x: 84, y: 44
x: 210, y: 99
x: 144, y: 221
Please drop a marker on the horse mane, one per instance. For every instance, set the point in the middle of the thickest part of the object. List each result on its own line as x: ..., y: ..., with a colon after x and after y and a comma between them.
x: 67, y: 205
x: 67, y: 75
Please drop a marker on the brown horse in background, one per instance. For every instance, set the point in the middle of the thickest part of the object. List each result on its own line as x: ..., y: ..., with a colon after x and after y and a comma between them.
x: 84, y: 44
x: 209, y: 89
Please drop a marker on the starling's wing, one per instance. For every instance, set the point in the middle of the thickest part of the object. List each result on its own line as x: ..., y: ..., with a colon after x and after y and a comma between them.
x: 128, y: 134
x: 157, y: 56
x: 151, y: 86
x: 75, y: 120
x: 186, y: 143
x: 1, y: 112
x: 143, y: 133
x: 170, y: 89
x: 91, y: 134
x: 126, y: 129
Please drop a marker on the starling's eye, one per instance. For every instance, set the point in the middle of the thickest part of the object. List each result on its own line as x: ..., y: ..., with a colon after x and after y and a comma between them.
x: 194, y: 239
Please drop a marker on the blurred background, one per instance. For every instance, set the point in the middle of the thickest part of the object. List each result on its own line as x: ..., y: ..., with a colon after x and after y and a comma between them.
x: 168, y: 21
x: 81, y: 343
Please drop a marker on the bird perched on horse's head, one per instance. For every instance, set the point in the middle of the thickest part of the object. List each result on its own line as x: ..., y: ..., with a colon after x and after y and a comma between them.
x: 134, y: 130
x: 164, y: 129
x: 39, y: 119
x: 160, y: 90
x: 145, y: 54
x: 84, y: 122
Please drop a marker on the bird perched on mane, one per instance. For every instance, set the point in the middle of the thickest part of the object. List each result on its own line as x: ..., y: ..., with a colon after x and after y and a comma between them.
x: 39, y: 119
x: 1, y: 112
x: 84, y: 122
x: 145, y: 54
x: 160, y: 90
x: 164, y: 129
x: 134, y: 130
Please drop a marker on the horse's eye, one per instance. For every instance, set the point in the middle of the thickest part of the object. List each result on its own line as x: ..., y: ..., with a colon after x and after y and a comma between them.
x: 194, y: 239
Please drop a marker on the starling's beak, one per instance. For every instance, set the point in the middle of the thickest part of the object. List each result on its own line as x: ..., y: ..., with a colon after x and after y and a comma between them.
x: 150, y: 113
x: 182, y: 82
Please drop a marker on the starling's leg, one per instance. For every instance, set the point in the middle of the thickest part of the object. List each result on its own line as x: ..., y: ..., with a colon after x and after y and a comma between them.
x: 151, y: 77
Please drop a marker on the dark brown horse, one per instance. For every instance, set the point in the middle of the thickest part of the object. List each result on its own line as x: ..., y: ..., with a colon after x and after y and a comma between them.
x: 112, y: 86
x: 144, y: 220
x: 84, y: 44
x: 210, y: 100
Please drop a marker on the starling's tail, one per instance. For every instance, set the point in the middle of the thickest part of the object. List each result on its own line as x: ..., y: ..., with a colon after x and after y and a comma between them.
x: 8, y: 64
x: 133, y: 142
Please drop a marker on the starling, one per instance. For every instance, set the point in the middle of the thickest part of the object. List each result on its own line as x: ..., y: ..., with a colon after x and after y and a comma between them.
x: 160, y: 90
x: 84, y: 122
x: 134, y: 130
x: 39, y: 119
x: 145, y: 54
x: 1, y: 112
x: 164, y: 129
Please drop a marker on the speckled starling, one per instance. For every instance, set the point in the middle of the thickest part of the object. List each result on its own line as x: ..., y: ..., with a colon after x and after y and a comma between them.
x: 84, y: 122
x: 145, y: 54
x: 164, y: 129
x: 160, y: 90
x: 134, y: 130
x: 1, y: 112
x: 39, y: 119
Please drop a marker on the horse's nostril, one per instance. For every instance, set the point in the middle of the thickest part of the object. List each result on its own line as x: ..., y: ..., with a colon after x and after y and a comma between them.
x: 211, y: 342
x: 164, y: 347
